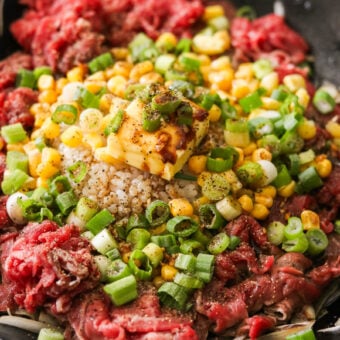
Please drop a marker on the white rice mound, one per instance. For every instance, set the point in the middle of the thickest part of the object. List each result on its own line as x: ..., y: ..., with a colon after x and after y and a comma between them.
x: 123, y: 190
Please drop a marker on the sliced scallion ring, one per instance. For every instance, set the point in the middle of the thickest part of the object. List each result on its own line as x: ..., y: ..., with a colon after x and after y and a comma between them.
x: 65, y: 113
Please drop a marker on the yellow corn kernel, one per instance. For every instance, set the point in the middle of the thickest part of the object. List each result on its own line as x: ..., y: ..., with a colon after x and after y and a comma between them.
x: 140, y: 69
x: 270, y: 82
x: 60, y: 83
x: 294, y: 82
x: 50, y: 156
x: 303, y: 97
x: 232, y: 179
x: 42, y: 182
x: 239, y: 88
x: 168, y: 272
x: 245, y: 71
x: 105, y: 102
x: 306, y: 129
x: 76, y: 74
x: 50, y: 129
x: 221, y: 79
x: 15, y: 147
x: 94, y: 86
x: 46, y: 170
x: 287, y: 190
x: 40, y: 111
x: 218, y: 43
x: 324, y: 167
x: 158, y: 281
x: 34, y: 159
x: 260, y: 211
x: 2, y: 143
x: 119, y: 53
x: 246, y: 203
x: 90, y: 120
x: 261, y: 154
x: 310, y: 219
x: 254, y: 85
x: 200, y: 201
x: 269, y: 191
x: 94, y: 140
x: 72, y: 136
x: 102, y: 154
x: 121, y: 68
x: 151, y: 78
x: 249, y: 149
x: 47, y: 96
x: 46, y: 82
x: 126, y: 256
x: 181, y: 207
x: 221, y: 63
x: 213, y: 11
x: 267, y: 201
x: 214, y: 113
x: 166, y: 40
x: 333, y: 127
x: 197, y: 164
x: 240, y: 159
x: 205, y: 60
x: 117, y: 85
x: 159, y: 229
x: 270, y: 103
x: 97, y: 76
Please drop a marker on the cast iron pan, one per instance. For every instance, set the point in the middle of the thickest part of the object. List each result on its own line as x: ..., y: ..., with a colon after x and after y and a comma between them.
x: 318, y: 21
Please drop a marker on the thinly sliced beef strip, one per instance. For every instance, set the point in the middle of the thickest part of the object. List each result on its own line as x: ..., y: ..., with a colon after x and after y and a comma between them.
x: 48, y: 265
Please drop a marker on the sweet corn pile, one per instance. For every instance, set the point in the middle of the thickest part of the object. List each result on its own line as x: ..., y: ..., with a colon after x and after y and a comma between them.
x: 249, y: 151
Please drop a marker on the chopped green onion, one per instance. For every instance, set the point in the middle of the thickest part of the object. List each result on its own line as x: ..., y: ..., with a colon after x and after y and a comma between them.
x: 39, y: 71
x: 294, y: 164
x: 14, y: 133
x: 291, y: 142
x: 122, y: 291
x: 137, y: 221
x: 174, y: 296
x: 318, y: 241
x: 337, y: 226
x: 323, y: 101
x: 222, y: 159
x: 66, y: 201
x: 164, y: 62
x: 307, y: 334
x: 205, y: 267
x: 262, y: 67
x: 190, y: 246
x: 275, y: 232
x: 250, y: 102
x: 236, y: 133
x: 59, y: 184
x: 50, y: 334
x: 246, y: 12
x: 184, y: 45
x: 115, y: 123
x: 99, y: 221
x: 151, y: 120
x: 113, y: 254
x: 186, y: 262
x: 25, y: 78
x: 104, y: 241
x: 117, y: 270
x: 290, y: 121
x: 86, y: 208
x: 157, y: 212
x: 283, y: 176
x: 293, y: 229
x: 250, y: 173
x: 227, y: 110
x: 103, y: 263
x: 86, y: 98
x: 270, y: 142
x: 165, y: 102
x: 229, y: 207
x: 211, y: 217
x: 140, y: 265
x: 65, y: 113
x: 209, y: 99
x: 188, y: 281
x: 16, y: 160
x: 140, y: 44
x: 138, y: 237
x: 182, y: 86
x: 309, y: 179
x: 154, y: 252
x: 299, y: 244
x: 219, y: 23
x: 13, y: 181
x: 260, y: 126
x: 77, y: 171
x: 186, y: 177
x: 165, y: 241
x: 189, y: 64
x: 182, y: 226
x: 101, y: 62
x: 184, y: 114
x: 306, y: 156
x: 30, y: 209
x: 234, y: 242
x: 215, y: 186
x: 219, y: 243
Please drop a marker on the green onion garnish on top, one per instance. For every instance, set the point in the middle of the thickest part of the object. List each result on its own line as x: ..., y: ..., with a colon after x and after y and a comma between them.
x: 101, y: 62
x: 65, y: 113
x: 13, y: 133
